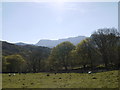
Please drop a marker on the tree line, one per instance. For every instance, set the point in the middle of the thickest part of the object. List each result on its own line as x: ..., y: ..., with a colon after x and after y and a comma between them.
x: 100, y: 50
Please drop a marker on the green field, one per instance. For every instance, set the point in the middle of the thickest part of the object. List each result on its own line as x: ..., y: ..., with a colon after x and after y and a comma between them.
x: 107, y: 79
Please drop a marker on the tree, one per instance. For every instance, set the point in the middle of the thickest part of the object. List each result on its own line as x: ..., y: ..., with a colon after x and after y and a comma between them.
x: 14, y: 63
x: 73, y: 59
x: 59, y: 57
x: 4, y: 64
x: 37, y: 59
x: 106, y: 41
x: 86, y: 53
x: 118, y: 54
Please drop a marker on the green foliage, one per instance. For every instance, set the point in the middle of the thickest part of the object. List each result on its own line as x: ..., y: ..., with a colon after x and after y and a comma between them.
x: 106, y: 41
x: 37, y: 60
x: 74, y: 59
x: 14, y: 63
x: 86, y: 53
x: 60, y: 55
x: 28, y: 52
x: 101, y: 48
x: 4, y: 64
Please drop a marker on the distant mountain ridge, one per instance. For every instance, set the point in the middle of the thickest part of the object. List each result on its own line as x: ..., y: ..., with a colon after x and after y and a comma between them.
x: 22, y: 44
x: 53, y: 43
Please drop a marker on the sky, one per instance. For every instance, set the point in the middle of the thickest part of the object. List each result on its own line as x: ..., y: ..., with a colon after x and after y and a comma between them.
x: 30, y: 22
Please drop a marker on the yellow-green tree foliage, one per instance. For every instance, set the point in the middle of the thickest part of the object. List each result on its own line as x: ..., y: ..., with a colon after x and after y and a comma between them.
x: 14, y: 63
x: 59, y: 57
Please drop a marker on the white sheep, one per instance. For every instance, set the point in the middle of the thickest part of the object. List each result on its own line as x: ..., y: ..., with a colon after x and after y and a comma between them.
x: 9, y: 74
x: 14, y: 74
x: 89, y: 72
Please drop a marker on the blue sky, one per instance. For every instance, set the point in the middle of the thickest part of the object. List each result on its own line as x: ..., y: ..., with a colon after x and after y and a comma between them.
x: 31, y: 21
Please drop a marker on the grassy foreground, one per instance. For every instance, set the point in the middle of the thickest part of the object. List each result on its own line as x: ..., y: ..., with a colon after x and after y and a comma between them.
x: 107, y: 79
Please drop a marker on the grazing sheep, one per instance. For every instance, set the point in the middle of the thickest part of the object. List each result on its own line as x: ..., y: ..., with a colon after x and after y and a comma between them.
x: 48, y: 75
x: 14, y: 74
x: 9, y: 74
x: 94, y: 78
x: 60, y: 78
x: 89, y: 72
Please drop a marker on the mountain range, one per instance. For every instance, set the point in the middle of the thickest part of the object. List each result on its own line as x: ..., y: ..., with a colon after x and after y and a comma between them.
x: 22, y: 44
x: 53, y: 43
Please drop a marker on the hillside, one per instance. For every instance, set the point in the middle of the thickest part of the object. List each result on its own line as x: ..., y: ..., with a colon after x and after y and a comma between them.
x: 9, y: 49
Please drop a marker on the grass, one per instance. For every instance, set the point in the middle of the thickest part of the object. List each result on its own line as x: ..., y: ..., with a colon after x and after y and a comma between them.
x: 107, y: 79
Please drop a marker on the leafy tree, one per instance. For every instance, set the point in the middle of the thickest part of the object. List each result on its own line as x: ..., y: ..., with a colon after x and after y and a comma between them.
x: 87, y: 53
x: 106, y: 42
x: 37, y: 60
x: 119, y: 54
x: 4, y: 64
x: 59, y: 57
x: 14, y: 63
x: 73, y: 59
x: 82, y: 53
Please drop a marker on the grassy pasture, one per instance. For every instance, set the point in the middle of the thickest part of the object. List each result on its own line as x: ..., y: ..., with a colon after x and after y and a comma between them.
x: 107, y: 79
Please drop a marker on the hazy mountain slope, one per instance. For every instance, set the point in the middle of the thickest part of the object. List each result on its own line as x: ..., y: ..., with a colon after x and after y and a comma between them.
x: 53, y: 43
x: 22, y: 44
x: 9, y: 49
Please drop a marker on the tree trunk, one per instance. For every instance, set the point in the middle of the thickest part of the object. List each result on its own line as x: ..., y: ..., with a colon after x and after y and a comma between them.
x: 66, y: 67
x: 105, y: 61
